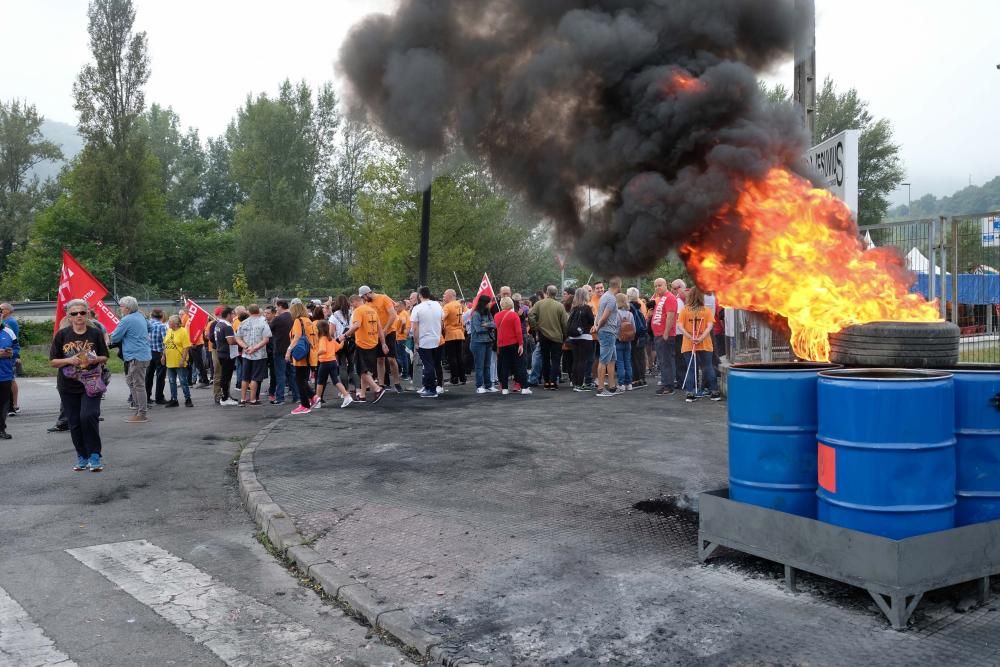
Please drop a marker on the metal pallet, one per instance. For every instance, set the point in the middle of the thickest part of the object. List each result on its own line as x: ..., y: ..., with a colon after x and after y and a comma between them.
x: 896, y: 573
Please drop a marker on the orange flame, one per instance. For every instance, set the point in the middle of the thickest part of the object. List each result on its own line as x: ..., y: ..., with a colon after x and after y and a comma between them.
x: 803, y: 261
x: 681, y: 82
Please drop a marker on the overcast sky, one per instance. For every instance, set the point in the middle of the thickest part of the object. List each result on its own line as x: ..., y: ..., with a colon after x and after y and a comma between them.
x: 929, y: 66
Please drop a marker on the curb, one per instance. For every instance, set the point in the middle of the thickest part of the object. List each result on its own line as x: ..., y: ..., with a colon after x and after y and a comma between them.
x: 339, y: 585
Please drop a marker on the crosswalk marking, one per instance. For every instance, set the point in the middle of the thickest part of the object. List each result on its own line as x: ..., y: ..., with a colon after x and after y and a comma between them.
x: 234, y: 626
x: 22, y: 642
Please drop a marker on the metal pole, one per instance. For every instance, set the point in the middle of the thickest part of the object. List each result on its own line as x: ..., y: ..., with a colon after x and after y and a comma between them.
x: 954, y: 271
x: 425, y: 227
x: 931, y: 284
x: 804, y: 89
x: 943, y: 292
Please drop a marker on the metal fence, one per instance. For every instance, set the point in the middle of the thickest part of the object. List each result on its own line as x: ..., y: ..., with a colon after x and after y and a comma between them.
x: 955, y: 260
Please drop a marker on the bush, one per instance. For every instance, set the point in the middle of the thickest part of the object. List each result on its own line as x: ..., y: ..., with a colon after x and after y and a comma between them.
x: 35, y: 333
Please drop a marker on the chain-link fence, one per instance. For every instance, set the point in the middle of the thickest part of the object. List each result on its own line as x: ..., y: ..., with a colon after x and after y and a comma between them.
x: 955, y: 261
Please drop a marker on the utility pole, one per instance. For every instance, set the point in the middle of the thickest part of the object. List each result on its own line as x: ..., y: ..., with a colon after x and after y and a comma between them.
x: 425, y: 225
x: 804, y: 90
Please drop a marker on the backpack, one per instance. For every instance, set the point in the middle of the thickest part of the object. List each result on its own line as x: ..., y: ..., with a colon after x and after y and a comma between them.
x: 626, y: 330
x: 301, y: 349
x: 640, y: 321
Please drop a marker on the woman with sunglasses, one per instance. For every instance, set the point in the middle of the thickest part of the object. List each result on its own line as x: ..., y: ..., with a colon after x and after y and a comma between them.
x: 81, y: 346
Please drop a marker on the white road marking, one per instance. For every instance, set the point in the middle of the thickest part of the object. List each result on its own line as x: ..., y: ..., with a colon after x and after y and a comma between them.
x: 22, y: 642
x: 233, y: 625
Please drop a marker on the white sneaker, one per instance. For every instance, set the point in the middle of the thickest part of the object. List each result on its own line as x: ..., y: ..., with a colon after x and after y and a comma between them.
x: 482, y: 390
x: 504, y: 392
x: 440, y: 390
x: 526, y: 392
x: 347, y: 401
x: 229, y: 401
x: 628, y: 387
x: 492, y: 390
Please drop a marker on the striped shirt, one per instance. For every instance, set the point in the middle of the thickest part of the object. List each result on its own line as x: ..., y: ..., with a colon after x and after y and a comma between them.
x: 157, y: 330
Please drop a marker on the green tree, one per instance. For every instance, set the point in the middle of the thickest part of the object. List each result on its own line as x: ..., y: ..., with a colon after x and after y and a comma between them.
x: 109, y: 97
x: 181, y: 157
x: 22, y: 147
x: 220, y: 193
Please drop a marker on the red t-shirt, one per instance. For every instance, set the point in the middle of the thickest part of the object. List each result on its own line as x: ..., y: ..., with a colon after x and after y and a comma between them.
x: 665, y: 305
x: 508, y: 328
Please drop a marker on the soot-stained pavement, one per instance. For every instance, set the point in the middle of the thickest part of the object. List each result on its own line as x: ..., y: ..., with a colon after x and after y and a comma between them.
x: 509, y: 526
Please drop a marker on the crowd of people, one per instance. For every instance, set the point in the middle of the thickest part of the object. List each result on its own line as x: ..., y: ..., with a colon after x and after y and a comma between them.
x: 596, y: 338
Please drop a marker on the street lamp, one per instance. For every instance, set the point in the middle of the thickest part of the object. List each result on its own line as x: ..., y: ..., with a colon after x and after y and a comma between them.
x: 907, y: 198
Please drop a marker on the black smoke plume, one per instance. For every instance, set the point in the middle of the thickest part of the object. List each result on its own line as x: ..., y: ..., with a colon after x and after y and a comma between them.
x: 565, y: 95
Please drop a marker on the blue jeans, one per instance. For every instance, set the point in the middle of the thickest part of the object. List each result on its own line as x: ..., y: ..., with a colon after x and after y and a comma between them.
x: 665, y: 359
x: 536, y: 365
x: 403, y: 359
x: 481, y: 357
x: 606, y: 351
x: 623, y: 365
x: 703, y: 360
x: 172, y: 375
x: 284, y: 376
x: 429, y: 360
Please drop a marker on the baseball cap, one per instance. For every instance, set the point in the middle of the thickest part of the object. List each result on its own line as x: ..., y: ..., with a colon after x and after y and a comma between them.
x: 364, y: 289
x: 218, y: 311
x: 296, y: 300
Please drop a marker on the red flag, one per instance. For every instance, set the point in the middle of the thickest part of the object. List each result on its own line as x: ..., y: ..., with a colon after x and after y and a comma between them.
x: 485, y: 288
x: 197, y: 320
x: 76, y: 282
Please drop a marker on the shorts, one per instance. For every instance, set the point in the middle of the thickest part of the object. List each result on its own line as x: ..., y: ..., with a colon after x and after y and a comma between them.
x: 366, y: 360
x: 390, y: 342
x: 326, y: 371
x: 254, y: 370
x: 607, y: 340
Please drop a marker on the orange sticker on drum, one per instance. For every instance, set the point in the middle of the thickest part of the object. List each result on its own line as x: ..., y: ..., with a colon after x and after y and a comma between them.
x: 826, y: 467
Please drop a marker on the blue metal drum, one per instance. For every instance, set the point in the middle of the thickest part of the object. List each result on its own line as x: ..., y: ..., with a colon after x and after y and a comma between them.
x: 977, y: 434
x: 772, y: 435
x: 886, y: 450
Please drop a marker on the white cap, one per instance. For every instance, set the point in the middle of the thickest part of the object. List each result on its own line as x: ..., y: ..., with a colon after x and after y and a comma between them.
x: 363, y: 290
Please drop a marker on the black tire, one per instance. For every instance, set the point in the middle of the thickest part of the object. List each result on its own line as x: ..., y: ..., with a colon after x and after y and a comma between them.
x: 896, y: 345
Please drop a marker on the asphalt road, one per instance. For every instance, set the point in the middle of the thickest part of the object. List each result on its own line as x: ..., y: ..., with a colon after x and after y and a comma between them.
x: 152, y: 561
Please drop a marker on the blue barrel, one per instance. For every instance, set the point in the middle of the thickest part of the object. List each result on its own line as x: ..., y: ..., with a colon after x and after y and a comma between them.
x: 772, y: 435
x: 977, y: 435
x: 886, y: 452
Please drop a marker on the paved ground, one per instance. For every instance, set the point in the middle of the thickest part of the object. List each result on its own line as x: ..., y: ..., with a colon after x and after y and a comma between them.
x: 508, y: 525
x: 153, y: 561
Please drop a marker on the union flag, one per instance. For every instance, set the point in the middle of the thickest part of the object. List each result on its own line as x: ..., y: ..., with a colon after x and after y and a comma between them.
x: 76, y: 282
x: 485, y: 288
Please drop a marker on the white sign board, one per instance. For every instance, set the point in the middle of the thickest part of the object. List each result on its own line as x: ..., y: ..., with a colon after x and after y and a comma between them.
x: 991, y: 231
x: 836, y: 161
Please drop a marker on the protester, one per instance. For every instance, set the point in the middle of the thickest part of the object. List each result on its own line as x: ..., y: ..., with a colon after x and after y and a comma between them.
x: 176, y: 351
x: 482, y: 331
x: 606, y: 329
x: 623, y: 343
x: 454, y: 336
x: 663, y: 327
x: 549, y: 317
x: 426, y: 322
x: 340, y: 320
x: 510, y: 347
x: 695, y: 325
x: 402, y: 332
x: 679, y: 290
x: 284, y: 373
x: 369, y: 337
x: 80, y: 351
x: 8, y: 339
x: 327, y: 369
x: 579, y: 326
x: 196, y: 356
x: 213, y: 353
x: 386, y: 309
x: 252, y: 339
x: 226, y: 349
x: 8, y: 320
x: 132, y: 333
x: 302, y: 328
x: 638, y: 310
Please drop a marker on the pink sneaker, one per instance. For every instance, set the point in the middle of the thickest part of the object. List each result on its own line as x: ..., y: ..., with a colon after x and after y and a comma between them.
x: 314, y: 402
x: 299, y: 410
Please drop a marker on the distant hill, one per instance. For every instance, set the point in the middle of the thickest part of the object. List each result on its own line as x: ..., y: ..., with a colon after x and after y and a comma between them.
x: 64, y: 136
x: 972, y: 199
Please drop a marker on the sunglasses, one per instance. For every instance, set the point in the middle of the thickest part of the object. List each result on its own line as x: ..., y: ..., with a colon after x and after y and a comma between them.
x: 78, y: 313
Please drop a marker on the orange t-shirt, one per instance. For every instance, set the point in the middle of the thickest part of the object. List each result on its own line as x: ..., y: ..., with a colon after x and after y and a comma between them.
x: 452, y: 318
x: 313, y: 342
x: 402, y: 325
x: 696, y: 322
x: 326, y: 349
x: 366, y: 335
x: 384, y: 306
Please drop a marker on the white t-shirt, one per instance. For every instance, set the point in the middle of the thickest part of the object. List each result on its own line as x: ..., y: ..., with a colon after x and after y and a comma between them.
x: 427, y: 316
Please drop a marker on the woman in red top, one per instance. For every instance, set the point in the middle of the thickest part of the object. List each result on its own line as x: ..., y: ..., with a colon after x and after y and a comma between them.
x: 510, y: 346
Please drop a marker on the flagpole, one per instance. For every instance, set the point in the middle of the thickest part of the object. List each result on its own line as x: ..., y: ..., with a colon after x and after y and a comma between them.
x: 459, y: 285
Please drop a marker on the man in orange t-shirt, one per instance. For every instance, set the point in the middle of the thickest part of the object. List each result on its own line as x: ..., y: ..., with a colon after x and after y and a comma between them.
x: 386, y: 309
x: 454, y: 335
x: 369, y: 337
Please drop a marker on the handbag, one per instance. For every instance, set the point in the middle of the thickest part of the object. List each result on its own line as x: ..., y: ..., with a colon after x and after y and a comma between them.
x: 301, y: 349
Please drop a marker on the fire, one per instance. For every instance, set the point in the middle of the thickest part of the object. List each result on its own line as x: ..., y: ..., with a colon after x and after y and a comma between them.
x: 804, y: 261
x: 682, y: 82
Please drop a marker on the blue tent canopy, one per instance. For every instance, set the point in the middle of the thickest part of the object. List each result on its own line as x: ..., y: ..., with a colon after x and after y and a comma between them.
x: 973, y: 289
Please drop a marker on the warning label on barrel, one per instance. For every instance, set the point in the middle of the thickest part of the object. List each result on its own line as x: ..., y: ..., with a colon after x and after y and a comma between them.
x: 826, y: 467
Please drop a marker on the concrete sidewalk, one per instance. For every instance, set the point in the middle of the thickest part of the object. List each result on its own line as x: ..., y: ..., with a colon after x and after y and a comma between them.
x: 512, y: 530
